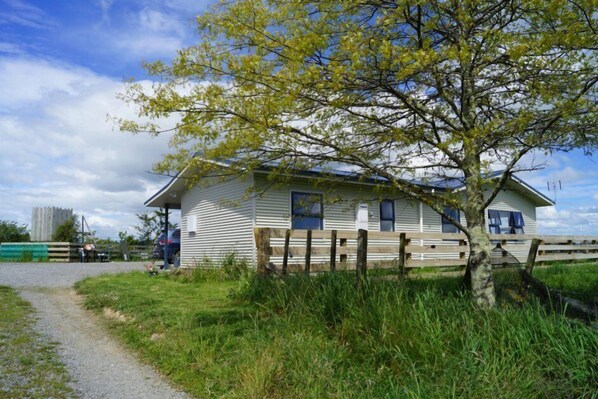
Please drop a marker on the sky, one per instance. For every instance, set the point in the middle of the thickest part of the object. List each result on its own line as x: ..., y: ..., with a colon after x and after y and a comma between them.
x: 62, y: 64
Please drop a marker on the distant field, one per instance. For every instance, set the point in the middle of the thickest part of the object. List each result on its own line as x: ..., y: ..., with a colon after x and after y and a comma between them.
x: 319, y: 337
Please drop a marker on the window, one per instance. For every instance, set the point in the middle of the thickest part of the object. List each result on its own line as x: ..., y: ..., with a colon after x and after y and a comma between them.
x: 307, y: 211
x: 447, y: 226
x: 505, y: 222
x: 387, y: 215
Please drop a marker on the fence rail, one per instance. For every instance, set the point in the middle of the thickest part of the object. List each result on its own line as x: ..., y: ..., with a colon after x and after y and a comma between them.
x: 292, y: 251
x: 65, y: 251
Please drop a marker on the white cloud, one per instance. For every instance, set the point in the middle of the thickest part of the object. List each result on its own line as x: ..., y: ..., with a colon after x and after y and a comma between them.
x: 17, y: 12
x: 59, y: 149
x: 575, y: 221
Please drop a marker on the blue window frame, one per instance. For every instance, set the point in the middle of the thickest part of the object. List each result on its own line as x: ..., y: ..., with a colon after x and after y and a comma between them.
x: 505, y: 222
x: 387, y: 215
x: 447, y: 226
x: 307, y: 211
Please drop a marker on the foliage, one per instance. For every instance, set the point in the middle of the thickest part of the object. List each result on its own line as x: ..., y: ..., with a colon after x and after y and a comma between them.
x: 12, y: 232
x: 234, y: 267
x: 408, y: 92
x: 319, y: 337
x: 29, y: 365
x: 69, y: 231
x: 128, y: 238
x: 151, y: 224
x: 229, y: 267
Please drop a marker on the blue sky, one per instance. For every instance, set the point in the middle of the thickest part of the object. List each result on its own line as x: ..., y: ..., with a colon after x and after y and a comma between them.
x: 62, y: 64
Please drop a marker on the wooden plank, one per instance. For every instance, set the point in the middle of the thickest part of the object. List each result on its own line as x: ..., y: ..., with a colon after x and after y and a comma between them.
x: 275, y: 233
x: 384, y: 235
x: 308, y: 252
x: 262, y: 240
x: 532, y: 255
x: 320, y: 267
x: 565, y: 239
x: 362, y: 256
x: 435, y: 249
x: 333, y: 250
x: 436, y: 236
x: 566, y: 256
x: 402, y: 251
x: 8, y: 244
x: 556, y: 247
x: 414, y: 263
x: 285, y: 259
x: 342, y: 247
x: 511, y: 237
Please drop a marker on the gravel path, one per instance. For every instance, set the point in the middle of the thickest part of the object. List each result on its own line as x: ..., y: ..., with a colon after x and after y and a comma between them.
x: 99, y: 365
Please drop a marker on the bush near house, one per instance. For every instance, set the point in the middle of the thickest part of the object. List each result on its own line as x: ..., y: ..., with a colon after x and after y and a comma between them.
x: 320, y: 337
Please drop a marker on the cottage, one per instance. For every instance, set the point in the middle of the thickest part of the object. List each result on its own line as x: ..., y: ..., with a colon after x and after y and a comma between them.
x: 218, y: 217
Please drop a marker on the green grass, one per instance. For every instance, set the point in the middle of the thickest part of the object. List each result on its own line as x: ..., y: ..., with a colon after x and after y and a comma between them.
x: 577, y: 281
x: 29, y: 367
x: 321, y: 338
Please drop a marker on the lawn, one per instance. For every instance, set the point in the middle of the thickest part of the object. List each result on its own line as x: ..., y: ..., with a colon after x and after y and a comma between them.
x: 321, y: 338
x: 29, y: 366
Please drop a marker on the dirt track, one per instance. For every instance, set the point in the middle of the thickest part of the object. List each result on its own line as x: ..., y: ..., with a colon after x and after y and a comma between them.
x: 99, y: 365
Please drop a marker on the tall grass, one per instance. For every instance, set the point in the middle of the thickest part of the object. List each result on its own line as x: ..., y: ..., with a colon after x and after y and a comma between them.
x: 434, y: 342
x: 319, y: 337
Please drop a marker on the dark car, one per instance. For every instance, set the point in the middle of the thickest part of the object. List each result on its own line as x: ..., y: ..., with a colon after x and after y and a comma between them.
x: 173, y: 246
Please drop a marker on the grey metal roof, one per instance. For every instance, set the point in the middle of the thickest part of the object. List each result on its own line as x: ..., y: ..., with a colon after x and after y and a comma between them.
x: 170, y: 194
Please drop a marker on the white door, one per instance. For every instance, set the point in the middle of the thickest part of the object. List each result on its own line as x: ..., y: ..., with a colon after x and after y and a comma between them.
x: 361, y: 219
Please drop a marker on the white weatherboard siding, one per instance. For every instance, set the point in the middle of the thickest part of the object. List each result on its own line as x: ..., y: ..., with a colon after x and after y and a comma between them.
x: 224, y: 221
x: 273, y: 208
x: 511, y: 200
x: 406, y: 215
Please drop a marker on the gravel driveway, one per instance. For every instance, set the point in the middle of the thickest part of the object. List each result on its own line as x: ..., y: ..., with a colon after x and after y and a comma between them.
x: 99, y: 365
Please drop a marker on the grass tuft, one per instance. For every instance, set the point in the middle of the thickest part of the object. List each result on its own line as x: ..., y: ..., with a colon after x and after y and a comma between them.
x: 320, y: 337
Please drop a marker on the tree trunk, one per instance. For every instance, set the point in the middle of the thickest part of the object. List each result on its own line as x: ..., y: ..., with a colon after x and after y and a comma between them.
x: 479, y: 266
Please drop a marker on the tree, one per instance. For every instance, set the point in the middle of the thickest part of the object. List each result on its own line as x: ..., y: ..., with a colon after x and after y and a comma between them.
x: 151, y: 225
x: 128, y: 238
x: 12, y: 232
x: 69, y: 231
x: 411, y: 91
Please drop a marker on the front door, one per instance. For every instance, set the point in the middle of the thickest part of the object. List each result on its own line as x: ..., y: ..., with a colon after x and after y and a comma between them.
x: 361, y: 219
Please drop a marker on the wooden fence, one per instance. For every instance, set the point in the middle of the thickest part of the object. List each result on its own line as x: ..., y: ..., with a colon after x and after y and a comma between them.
x: 65, y: 251
x: 291, y: 251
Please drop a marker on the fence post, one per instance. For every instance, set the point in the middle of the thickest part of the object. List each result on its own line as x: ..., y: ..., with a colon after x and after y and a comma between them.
x: 308, y: 253
x: 531, y: 256
x: 285, y: 259
x: 529, y: 265
x: 333, y: 250
x: 402, y: 254
x: 262, y: 241
x: 362, y: 256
